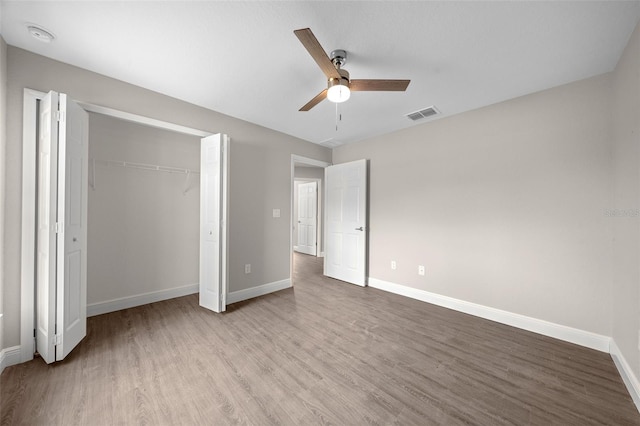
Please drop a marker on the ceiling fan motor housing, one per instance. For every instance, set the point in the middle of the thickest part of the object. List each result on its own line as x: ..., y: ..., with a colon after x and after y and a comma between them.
x: 343, y: 80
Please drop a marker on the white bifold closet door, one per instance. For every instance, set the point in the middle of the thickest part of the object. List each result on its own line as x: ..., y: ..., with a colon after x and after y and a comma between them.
x: 346, y: 222
x: 61, y: 266
x: 214, y: 152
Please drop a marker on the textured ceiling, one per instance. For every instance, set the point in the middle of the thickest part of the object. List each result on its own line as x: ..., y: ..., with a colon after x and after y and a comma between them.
x: 242, y: 58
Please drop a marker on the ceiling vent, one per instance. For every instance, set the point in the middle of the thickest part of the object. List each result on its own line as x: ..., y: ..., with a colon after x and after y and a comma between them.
x: 423, y: 113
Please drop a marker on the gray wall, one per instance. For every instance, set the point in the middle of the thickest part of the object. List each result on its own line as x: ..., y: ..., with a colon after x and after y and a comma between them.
x: 3, y: 143
x: 530, y: 205
x: 626, y: 202
x: 143, y: 231
x: 504, y: 205
x: 260, y: 170
x: 302, y: 172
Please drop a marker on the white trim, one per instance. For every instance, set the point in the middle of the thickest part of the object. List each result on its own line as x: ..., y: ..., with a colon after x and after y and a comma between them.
x: 27, y: 256
x: 113, y: 305
x: 321, y: 254
x: 630, y: 380
x: 10, y: 356
x: 224, y: 228
x: 308, y: 161
x: 140, y: 119
x: 261, y: 290
x: 546, y: 328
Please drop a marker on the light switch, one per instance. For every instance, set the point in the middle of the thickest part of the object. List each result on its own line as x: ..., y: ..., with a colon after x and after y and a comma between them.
x: 276, y: 212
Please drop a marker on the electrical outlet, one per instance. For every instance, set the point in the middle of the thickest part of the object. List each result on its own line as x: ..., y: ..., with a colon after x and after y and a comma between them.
x: 420, y: 270
x: 393, y: 265
x: 247, y: 268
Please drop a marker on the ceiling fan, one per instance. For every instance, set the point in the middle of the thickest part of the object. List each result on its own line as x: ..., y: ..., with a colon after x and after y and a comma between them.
x: 339, y: 85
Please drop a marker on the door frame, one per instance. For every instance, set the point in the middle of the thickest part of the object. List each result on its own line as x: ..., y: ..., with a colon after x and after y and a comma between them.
x: 298, y: 159
x: 29, y: 172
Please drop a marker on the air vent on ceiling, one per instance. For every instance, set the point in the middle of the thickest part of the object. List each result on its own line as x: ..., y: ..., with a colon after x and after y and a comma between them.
x: 423, y: 113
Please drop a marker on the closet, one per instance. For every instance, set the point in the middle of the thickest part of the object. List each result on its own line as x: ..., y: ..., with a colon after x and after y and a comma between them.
x: 147, y: 229
x: 143, y: 212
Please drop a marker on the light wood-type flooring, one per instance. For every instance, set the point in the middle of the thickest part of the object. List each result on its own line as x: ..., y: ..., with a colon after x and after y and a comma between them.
x: 323, y: 352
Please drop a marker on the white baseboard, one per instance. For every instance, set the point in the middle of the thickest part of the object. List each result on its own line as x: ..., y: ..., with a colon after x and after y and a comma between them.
x: 250, y: 293
x: 296, y: 248
x: 321, y: 254
x: 9, y: 356
x: 546, y: 328
x: 113, y: 305
x: 630, y: 380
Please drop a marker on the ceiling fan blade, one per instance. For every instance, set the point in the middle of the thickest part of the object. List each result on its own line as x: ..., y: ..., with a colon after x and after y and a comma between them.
x: 378, y: 85
x: 315, y: 101
x: 311, y: 43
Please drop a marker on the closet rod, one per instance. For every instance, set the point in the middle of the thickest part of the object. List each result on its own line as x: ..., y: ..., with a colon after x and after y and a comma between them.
x: 142, y: 166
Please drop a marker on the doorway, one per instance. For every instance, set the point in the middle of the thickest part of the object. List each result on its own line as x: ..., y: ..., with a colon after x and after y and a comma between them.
x: 344, y: 221
x: 307, y: 172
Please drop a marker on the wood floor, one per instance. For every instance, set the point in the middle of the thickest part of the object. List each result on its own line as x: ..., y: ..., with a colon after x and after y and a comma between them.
x: 324, y: 352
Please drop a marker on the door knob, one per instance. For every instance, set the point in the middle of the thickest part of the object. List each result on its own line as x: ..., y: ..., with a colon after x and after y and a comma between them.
x: 360, y: 229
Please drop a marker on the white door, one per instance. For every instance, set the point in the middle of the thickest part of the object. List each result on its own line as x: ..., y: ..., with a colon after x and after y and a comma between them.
x: 213, y: 221
x: 73, y: 148
x: 62, y: 227
x: 307, y: 217
x: 46, y: 228
x: 346, y: 222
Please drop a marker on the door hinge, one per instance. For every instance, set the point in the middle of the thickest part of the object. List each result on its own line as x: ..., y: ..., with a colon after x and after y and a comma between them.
x: 60, y: 116
x: 57, y: 339
x: 58, y: 227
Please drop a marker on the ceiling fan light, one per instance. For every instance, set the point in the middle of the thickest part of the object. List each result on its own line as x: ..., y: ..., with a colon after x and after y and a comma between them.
x: 338, y: 93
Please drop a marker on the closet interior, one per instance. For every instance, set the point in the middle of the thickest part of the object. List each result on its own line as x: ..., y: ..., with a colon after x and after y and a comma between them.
x: 143, y: 211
